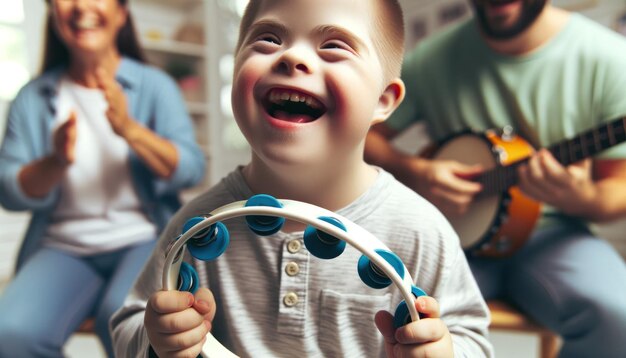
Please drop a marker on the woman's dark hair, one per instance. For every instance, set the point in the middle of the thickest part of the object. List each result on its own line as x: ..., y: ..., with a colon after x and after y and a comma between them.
x: 56, y: 53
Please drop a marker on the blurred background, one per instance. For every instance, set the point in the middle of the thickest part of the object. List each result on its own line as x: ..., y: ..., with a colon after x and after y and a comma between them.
x: 193, y: 40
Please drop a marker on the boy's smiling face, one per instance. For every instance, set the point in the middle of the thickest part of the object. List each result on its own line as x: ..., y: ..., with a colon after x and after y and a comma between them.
x: 308, y: 81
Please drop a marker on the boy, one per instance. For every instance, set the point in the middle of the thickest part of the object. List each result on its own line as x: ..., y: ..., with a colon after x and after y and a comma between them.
x: 310, y: 78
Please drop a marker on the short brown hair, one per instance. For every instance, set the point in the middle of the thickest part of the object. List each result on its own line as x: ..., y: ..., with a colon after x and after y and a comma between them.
x: 387, y: 32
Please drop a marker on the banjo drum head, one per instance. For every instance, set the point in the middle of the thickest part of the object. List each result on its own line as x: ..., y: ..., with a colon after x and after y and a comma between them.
x: 477, y: 221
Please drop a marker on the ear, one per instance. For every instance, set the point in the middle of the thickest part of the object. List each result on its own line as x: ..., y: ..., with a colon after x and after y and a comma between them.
x: 389, y: 100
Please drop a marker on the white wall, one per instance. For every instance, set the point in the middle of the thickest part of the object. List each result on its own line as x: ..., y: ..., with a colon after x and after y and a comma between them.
x: 13, y: 224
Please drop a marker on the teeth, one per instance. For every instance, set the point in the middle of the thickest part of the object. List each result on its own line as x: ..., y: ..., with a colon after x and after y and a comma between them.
x: 86, y: 23
x: 278, y: 96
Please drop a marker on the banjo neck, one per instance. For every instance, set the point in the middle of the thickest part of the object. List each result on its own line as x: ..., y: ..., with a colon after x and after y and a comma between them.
x: 566, y: 152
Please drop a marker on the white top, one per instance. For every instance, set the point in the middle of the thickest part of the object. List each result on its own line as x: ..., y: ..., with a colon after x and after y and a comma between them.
x: 275, y: 299
x: 99, y: 210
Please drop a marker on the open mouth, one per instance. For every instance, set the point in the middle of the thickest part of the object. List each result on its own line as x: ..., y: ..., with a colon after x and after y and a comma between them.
x: 85, y: 23
x: 293, y: 106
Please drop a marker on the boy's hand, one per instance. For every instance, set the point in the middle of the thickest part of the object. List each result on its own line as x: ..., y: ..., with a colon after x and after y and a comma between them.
x: 177, y: 322
x: 428, y: 337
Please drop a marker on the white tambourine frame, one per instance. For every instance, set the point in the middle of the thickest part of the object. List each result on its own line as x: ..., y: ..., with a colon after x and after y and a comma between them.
x: 309, y: 214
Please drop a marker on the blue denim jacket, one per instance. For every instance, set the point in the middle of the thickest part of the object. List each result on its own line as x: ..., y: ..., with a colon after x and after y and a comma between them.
x: 153, y: 100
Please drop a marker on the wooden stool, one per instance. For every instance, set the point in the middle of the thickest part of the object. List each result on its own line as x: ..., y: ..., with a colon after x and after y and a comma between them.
x: 504, y: 317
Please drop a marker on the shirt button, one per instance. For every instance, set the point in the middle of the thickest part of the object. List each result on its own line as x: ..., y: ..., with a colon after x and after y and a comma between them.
x: 294, y: 246
x: 290, y: 299
x: 292, y: 269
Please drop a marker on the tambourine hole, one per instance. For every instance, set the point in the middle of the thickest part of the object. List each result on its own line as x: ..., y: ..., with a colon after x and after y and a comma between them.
x: 377, y: 271
x: 368, y: 276
x: 375, y: 277
x: 215, y: 245
x: 265, y: 220
x: 401, y: 316
x: 321, y: 244
x: 264, y: 225
x: 264, y: 229
x: 187, y: 278
x: 209, y: 236
x: 191, y: 223
x: 417, y: 292
x: 326, y: 238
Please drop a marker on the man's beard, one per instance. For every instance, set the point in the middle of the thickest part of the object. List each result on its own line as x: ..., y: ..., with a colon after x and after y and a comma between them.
x: 530, y: 11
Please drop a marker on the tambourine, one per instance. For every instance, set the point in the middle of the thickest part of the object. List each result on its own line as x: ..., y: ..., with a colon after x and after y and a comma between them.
x: 325, y: 237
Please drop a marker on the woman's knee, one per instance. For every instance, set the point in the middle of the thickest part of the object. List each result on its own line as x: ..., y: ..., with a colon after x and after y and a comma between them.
x: 19, y: 338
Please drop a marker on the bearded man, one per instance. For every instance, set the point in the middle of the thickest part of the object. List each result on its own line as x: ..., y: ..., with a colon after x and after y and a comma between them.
x: 550, y: 75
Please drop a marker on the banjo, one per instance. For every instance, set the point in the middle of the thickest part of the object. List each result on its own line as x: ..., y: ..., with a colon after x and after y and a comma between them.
x: 501, y: 218
x: 325, y: 237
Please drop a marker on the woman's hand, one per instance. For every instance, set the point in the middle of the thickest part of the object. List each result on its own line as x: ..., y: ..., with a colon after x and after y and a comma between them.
x: 64, y: 140
x: 117, y: 113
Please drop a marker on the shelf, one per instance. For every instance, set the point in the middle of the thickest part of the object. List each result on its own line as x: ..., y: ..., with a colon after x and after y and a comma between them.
x: 174, y: 47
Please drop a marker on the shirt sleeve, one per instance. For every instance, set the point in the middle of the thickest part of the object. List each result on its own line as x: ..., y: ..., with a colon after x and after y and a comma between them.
x: 611, y: 66
x: 130, y: 338
x: 20, y: 147
x: 172, y: 122
x: 462, y: 306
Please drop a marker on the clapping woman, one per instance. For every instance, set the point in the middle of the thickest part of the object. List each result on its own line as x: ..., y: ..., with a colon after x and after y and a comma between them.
x: 97, y: 147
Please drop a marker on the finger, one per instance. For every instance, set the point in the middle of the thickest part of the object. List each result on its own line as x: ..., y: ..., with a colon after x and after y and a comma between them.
x: 103, y: 79
x: 72, y: 128
x: 450, y: 203
x: 185, y: 340
x: 555, y: 173
x: 71, y: 119
x: 422, y: 331
x: 179, y: 322
x: 68, y: 124
x: 523, y: 174
x: 106, y: 83
x: 205, y: 303
x: 467, y: 171
x: 427, y: 306
x: 425, y: 350
x: 459, y: 185
x: 170, y: 301
x: 583, y: 164
x: 535, y: 172
x: 189, y: 352
x: 457, y: 199
x: 384, y: 323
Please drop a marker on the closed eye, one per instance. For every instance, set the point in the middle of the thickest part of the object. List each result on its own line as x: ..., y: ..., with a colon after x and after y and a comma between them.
x: 336, y: 50
x: 269, y: 38
x: 334, y: 45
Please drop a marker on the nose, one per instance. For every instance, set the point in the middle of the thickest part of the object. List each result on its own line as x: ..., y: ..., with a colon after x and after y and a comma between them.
x: 296, y: 59
x: 83, y: 4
